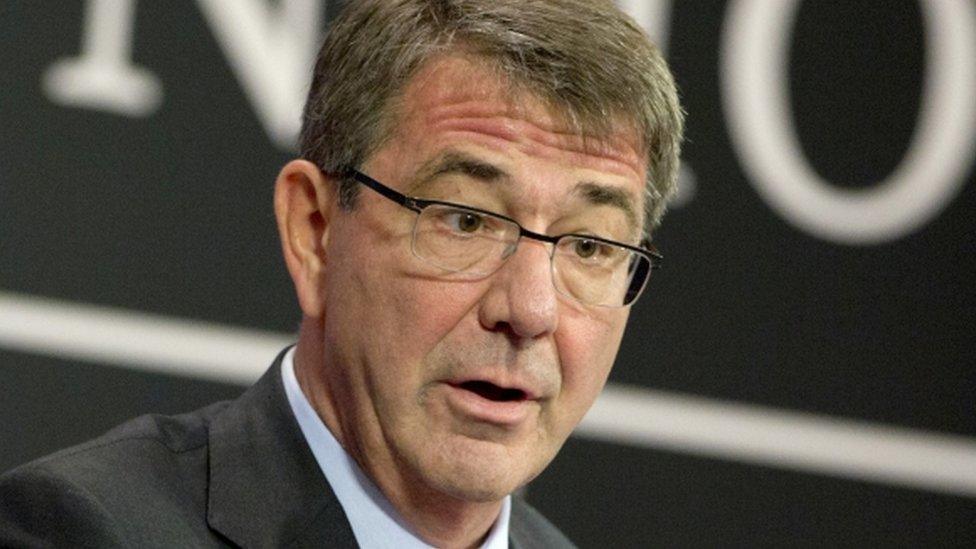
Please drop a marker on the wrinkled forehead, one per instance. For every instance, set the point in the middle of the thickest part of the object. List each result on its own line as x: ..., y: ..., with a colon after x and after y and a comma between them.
x: 467, y: 80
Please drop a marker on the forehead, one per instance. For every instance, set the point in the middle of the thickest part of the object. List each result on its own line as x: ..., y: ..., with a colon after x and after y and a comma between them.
x: 467, y: 95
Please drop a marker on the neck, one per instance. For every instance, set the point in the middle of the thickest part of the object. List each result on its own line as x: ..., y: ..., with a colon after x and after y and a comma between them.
x: 438, y: 518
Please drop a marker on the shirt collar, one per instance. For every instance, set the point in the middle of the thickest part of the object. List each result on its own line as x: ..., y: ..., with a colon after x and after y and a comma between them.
x: 374, y: 521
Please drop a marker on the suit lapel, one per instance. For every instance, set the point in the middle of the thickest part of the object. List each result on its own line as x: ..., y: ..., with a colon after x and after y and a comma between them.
x: 527, y: 529
x: 265, y: 487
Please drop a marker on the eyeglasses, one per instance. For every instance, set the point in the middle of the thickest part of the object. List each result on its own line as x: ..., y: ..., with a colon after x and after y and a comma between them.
x: 468, y: 242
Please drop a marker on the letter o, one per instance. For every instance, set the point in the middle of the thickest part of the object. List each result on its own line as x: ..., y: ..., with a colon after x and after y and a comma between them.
x: 754, y: 80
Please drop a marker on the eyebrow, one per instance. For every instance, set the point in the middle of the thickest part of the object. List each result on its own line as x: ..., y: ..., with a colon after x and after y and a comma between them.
x: 455, y: 162
x: 606, y: 195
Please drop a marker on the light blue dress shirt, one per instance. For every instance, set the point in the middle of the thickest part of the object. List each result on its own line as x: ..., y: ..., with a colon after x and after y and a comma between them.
x: 374, y: 521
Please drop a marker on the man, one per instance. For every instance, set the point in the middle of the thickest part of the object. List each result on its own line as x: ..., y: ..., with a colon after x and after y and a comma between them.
x: 465, y: 232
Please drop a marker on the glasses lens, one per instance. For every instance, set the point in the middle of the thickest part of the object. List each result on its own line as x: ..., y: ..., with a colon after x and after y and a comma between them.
x: 599, y: 273
x: 463, y: 241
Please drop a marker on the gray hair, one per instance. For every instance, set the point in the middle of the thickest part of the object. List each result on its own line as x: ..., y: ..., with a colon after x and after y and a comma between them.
x: 585, y: 59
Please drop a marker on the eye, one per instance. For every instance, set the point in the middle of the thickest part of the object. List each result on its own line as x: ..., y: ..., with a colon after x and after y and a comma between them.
x: 465, y: 222
x: 586, y: 248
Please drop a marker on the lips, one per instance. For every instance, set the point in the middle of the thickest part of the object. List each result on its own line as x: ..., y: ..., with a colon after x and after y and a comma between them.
x: 485, y: 401
x: 490, y: 391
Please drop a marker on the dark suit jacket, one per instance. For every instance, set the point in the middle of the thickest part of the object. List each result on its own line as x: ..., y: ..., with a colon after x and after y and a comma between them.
x: 235, y: 473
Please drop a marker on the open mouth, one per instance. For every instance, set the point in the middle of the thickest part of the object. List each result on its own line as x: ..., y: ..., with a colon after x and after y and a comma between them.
x: 490, y: 391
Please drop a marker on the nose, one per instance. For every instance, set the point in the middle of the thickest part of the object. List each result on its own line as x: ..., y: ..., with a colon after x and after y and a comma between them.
x: 521, y: 298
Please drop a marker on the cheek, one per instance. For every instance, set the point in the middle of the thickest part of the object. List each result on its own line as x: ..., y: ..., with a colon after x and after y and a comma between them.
x: 588, y: 349
x: 383, y: 301
x: 430, y: 311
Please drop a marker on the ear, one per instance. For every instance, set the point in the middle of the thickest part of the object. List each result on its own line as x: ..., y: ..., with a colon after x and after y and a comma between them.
x: 305, y: 203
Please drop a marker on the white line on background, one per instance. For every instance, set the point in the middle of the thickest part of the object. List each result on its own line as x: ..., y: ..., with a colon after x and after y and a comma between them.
x: 624, y: 415
x: 136, y: 340
x: 781, y: 438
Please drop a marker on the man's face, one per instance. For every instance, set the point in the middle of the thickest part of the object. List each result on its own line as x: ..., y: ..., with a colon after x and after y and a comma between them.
x: 470, y: 387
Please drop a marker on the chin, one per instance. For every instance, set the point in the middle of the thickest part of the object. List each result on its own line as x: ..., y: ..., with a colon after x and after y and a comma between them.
x: 477, y: 470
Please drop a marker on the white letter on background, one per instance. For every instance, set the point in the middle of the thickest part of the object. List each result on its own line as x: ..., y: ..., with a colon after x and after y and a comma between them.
x: 653, y: 15
x: 754, y: 71
x: 103, y: 76
x: 271, y: 51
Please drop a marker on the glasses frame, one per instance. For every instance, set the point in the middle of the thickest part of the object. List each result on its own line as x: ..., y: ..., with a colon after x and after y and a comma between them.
x: 417, y: 205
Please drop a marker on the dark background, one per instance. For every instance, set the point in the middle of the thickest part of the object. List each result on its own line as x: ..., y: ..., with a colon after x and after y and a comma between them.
x: 171, y: 214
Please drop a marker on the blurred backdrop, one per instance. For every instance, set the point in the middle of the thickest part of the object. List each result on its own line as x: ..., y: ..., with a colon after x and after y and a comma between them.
x: 800, y: 372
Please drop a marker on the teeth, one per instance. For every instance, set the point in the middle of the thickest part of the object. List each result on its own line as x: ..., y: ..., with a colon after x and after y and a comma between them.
x: 491, y: 391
